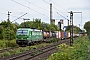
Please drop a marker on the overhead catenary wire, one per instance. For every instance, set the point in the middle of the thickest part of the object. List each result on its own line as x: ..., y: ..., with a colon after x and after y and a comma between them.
x: 3, y: 13
x: 55, y: 8
x: 12, y: 11
x: 19, y: 17
x: 62, y: 16
x: 59, y: 6
x: 11, y: 14
x: 59, y: 10
x: 36, y: 5
x: 29, y: 8
x: 7, y: 14
x: 46, y: 2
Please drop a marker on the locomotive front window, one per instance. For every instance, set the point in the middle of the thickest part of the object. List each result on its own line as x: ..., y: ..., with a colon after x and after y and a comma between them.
x: 22, y: 32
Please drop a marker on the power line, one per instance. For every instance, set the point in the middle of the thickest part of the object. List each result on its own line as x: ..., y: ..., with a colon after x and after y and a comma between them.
x: 19, y: 17
x: 8, y: 10
x: 59, y: 6
x: 7, y: 14
x: 62, y: 16
x: 54, y: 7
x: 3, y: 13
x: 36, y: 5
x: 59, y: 11
x: 28, y: 8
x: 46, y: 2
x: 4, y: 9
x: 11, y: 15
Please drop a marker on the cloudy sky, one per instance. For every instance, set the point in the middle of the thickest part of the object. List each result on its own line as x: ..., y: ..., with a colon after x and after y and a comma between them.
x: 41, y: 9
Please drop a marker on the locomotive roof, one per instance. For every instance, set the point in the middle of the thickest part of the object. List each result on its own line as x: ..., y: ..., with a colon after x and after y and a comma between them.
x: 29, y: 29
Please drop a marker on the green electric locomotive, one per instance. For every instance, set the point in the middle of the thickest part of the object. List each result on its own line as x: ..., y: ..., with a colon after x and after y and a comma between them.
x: 27, y: 36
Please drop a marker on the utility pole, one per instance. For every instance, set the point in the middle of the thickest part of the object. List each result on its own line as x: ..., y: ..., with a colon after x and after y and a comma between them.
x: 9, y: 15
x: 68, y: 22
x: 9, y: 24
x: 71, y: 24
x: 8, y: 30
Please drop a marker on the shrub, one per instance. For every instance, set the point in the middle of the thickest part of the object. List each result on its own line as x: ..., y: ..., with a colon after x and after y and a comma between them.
x: 52, y: 40
x: 79, y: 51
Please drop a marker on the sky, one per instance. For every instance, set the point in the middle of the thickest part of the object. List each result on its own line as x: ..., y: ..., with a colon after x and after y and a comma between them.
x: 41, y: 9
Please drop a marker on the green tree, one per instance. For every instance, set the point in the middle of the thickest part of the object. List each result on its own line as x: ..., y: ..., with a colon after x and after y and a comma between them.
x: 1, y: 32
x: 45, y: 26
x: 75, y: 29
x: 87, y: 27
x: 36, y: 23
x: 53, y: 27
x: 8, y: 30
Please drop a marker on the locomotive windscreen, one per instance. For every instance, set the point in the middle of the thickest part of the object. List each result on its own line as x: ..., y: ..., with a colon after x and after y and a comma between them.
x: 22, y: 32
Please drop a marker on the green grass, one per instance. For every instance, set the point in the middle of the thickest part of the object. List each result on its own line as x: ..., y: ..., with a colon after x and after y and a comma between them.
x: 12, y: 43
x: 22, y: 49
x: 79, y: 50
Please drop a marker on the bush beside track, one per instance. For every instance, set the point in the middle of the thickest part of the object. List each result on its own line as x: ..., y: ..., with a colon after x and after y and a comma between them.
x: 79, y: 50
x: 23, y: 49
x: 6, y: 43
x: 12, y: 43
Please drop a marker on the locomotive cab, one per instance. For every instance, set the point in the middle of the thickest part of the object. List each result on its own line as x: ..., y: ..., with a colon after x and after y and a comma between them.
x: 22, y: 37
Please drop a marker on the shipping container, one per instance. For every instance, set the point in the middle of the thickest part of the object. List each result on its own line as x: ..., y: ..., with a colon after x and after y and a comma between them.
x: 62, y: 35
x: 68, y: 34
x: 58, y: 34
x: 65, y: 35
x: 54, y: 34
x: 50, y: 34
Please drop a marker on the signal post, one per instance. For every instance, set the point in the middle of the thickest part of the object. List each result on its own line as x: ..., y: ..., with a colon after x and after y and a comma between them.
x: 71, y: 24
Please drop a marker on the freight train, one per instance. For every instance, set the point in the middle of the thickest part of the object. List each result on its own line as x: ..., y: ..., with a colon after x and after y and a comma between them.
x: 27, y: 36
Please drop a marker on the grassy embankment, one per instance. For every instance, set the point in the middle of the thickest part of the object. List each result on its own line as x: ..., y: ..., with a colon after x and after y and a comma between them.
x: 12, y: 43
x: 79, y: 51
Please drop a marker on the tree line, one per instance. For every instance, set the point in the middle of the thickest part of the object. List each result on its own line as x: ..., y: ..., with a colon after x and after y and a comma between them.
x: 87, y: 27
x: 8, y: 29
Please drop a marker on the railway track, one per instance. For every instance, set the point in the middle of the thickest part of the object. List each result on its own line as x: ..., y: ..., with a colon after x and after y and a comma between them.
x: 34, y: 53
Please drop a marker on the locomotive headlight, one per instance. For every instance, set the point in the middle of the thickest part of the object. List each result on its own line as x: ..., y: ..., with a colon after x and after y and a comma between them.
x: 22, y: 38
x: 27, y: 38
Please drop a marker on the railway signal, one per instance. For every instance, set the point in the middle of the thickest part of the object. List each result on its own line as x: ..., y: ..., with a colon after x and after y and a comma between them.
x: 71, y: 24
x: 71, y: 29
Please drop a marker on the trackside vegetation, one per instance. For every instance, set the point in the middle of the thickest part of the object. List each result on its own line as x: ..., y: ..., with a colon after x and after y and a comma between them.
x: 6, y: 43
x: 79, y: 51
x: 12, y: 43
x: 21, y: 49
